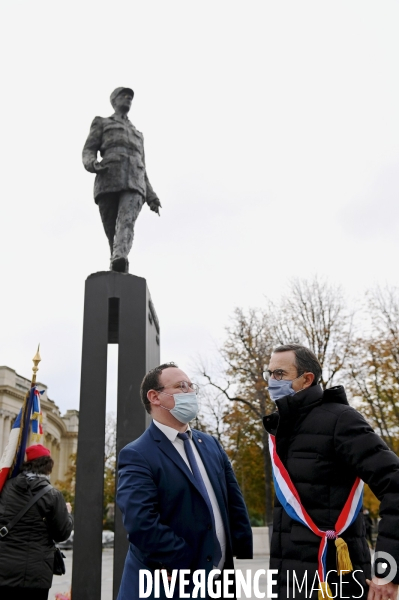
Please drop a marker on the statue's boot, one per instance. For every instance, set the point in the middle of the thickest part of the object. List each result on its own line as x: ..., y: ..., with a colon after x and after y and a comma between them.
x: 121, y: 265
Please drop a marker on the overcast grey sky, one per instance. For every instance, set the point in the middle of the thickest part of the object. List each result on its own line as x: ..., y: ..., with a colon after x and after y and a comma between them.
x: 272, y: 140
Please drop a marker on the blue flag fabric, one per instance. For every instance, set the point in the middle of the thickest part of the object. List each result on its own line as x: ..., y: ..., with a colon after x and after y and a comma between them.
x: 23, y: 420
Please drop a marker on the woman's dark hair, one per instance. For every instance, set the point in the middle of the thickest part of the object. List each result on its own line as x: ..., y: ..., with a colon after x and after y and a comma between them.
x: 151, y: 382
x: 305, y: 360
x: 42, y: 465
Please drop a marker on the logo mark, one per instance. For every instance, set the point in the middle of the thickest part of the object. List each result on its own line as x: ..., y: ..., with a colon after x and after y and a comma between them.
x: 378, y: 569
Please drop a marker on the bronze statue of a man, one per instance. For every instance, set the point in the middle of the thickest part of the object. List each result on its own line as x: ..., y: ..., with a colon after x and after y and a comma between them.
x: 121, y: 186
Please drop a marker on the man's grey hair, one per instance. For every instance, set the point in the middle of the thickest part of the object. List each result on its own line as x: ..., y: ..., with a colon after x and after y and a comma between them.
x: 305, y: 360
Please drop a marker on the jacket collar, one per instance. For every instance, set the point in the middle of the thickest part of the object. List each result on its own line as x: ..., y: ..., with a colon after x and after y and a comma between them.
x: 119, y: 118
x: 335, y: 394
x: 167, y: 447
x: 170, y: 432
x: 290, y: 407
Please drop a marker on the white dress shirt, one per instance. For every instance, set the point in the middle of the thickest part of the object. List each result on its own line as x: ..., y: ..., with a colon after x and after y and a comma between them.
x: 171, y: 434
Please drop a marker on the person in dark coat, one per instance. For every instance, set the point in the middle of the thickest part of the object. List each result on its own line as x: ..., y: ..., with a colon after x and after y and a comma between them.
x: 27, y: 551
x: 121, y: 186
x: 325, y: 444
x: 181, y: 504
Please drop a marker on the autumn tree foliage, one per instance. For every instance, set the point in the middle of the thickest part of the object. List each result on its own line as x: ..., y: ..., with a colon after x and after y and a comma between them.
x: 375, y: 366
x: 237, y: 429
x: 371, y: 502
x: 67, y: 485
x: 314, y: 313
x: 244, y: 446
x: 109, y: 471
x: 245, y: 353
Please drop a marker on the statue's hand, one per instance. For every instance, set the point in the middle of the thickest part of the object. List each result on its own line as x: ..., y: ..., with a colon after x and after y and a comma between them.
x: 99, y: 167
x: 155, y: 205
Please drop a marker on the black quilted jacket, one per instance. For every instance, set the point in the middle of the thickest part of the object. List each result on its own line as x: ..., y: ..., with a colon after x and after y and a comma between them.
x: 27, y: 552
x: 324, y: 444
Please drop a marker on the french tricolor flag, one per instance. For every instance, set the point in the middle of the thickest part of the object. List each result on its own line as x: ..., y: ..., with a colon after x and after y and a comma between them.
x: 14, y: 454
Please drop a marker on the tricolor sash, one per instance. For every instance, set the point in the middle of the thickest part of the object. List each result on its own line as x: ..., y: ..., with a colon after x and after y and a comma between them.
x: 291, y: 502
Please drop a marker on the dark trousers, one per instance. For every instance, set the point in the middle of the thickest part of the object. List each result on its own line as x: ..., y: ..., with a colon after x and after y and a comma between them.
x: 19, y: 593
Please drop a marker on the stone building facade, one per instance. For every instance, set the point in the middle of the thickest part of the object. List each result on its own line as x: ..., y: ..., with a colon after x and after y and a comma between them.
x: 60, y: 433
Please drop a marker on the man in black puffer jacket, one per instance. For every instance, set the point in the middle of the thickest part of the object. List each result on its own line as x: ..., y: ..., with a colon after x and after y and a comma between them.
x: 325, y: 444
x: 27, y: 551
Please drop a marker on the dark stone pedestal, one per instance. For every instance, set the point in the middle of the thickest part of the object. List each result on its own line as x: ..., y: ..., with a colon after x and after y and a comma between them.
x: 118, y: 310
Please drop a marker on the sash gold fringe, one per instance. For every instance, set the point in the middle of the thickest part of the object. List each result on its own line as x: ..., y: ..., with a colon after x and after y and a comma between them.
x: 325, y: 591
x: 343, y: 559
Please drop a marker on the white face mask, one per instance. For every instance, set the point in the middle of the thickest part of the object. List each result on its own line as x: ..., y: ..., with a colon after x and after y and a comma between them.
x: 186, y: 406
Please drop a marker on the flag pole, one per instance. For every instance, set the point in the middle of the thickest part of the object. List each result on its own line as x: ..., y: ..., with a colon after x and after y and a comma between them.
x: 36, y: 359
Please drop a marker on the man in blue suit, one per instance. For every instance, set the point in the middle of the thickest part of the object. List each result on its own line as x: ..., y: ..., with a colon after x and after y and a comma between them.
x: 181, y: 504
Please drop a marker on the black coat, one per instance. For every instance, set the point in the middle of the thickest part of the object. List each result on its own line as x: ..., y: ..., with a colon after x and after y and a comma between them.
x: 27, y: 552
x: 324, y: 444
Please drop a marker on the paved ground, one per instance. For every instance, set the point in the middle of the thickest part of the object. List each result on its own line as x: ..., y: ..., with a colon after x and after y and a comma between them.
x: 63, y: 583
x: 259, y: 562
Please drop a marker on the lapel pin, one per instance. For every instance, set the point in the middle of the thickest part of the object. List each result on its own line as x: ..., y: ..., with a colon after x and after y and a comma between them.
x: 199, y: 439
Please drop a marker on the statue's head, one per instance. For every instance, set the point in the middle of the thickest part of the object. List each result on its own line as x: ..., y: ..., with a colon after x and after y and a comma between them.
x: 121, y: 99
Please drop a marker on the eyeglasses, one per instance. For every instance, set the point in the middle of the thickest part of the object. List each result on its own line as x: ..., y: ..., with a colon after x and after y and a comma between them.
x: 276, y: 374
x: 184, y: 386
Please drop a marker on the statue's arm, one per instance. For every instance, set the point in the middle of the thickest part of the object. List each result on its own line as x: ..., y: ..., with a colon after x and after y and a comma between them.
x: 92, y: 145
x: 151, y: 197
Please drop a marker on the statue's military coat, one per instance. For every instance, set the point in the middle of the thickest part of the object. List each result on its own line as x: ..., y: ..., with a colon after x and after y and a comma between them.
x: 122, y: 149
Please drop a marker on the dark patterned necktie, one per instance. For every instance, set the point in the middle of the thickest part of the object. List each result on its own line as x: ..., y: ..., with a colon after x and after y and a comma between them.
x: 200, y: 482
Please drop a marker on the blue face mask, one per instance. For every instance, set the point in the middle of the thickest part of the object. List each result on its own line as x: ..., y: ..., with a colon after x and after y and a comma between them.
x: 186, y: 406
x: 278, y: 389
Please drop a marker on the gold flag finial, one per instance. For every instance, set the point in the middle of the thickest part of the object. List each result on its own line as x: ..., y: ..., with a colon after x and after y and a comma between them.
x: 36, y: 359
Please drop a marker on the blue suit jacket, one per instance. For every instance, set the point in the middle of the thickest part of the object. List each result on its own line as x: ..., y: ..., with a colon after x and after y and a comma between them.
x: 164, y: 513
